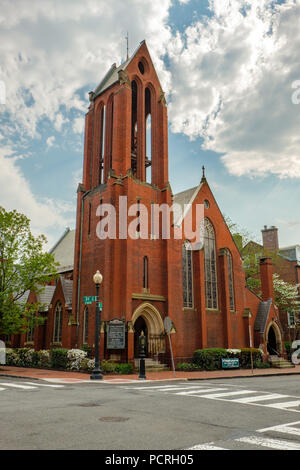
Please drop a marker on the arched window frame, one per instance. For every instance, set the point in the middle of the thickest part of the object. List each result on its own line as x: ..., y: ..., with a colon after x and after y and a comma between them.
x: 187, y: 275
x: 58, y: 321
x: 210, y: 262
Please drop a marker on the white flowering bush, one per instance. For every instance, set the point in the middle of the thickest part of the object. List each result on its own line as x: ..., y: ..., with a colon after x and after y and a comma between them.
x: 75, y: 358
x: 234, y: 351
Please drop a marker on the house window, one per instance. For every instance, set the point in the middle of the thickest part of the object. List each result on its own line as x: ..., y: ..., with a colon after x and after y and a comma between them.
x: 58, y: 318
x: 187, y: 275
x: 85, y: 325
x: 211, y: 288
x: 291, y: 319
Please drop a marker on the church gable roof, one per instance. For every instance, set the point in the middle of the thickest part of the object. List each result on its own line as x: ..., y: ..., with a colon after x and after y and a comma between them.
x: 112, y: 75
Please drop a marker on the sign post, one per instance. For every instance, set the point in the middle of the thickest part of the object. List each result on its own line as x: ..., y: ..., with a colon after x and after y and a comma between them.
x: 168, y: 327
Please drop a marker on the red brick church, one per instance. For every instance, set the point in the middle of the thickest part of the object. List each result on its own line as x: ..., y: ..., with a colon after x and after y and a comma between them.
x: 145, y: 280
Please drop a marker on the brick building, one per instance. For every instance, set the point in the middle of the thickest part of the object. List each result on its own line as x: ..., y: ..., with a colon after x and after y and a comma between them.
x: 148, y: 278
x: 286, y: 263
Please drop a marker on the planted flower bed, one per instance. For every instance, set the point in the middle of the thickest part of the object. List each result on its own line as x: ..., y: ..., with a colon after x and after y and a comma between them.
x: 63, y: 359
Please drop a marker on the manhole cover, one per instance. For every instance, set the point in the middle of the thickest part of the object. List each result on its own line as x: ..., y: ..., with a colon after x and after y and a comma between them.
x: 113, y: 419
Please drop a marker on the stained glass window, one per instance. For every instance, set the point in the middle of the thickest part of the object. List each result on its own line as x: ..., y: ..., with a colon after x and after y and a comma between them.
x: 58, y: 317
x: 211, y: 287
x: 187, y: 275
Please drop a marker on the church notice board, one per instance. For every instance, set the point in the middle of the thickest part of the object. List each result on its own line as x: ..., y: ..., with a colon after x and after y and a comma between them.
x: 230, y: 363
x: 115, y: 334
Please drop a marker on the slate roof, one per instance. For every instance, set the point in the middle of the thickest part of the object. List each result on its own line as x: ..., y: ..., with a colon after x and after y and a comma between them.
x: 67, y: 287
x: 182, y: 198
x: 262, y: 316
x: 112, y: 75
x: 45, y: 297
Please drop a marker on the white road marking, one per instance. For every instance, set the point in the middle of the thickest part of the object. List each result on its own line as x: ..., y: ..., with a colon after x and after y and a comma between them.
x: 284, y: 428
x: 2, y: 389
x: 199, y: 391
x: 220, y: 396
x: 284, y: 406
x: 268, y: 442
x: 24, y: 387
x: 208, y: 446
x: 43, y: 385
x: 270, y: 396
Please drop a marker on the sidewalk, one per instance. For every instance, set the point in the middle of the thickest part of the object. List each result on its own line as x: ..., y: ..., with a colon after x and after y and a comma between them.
x: 73, y: 377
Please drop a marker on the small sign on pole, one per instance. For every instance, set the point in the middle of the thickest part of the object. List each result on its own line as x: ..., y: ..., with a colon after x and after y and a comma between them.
x: 168, y: 327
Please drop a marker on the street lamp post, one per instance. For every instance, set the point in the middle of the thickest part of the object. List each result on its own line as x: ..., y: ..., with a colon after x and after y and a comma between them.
x: 97, y: 373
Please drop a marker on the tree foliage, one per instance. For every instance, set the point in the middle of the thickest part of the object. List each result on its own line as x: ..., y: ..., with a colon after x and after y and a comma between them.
x: 24, y: 266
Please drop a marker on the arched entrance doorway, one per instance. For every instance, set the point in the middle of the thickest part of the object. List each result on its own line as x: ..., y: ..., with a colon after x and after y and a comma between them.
x: 147, y: 318
x: 139, y: 326
x: 274, y: 340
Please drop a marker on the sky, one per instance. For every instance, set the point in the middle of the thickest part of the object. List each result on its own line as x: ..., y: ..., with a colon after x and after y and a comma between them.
x: 231, y: 73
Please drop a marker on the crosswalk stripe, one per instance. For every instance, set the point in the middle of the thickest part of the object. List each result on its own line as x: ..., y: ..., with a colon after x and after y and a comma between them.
x: 283, y: 406
x: 268, y: 442
x: 24, y: 387
x: 1, y: 389
x: 199, y: 391
x: 44, y: 385
x: 205, y: 447
x: 227, y: 394
x: 271, y: 396
x: 161, y: 387
x: 284, y: 428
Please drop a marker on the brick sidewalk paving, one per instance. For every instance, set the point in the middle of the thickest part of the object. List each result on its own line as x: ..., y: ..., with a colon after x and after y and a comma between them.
x: 53, y: 375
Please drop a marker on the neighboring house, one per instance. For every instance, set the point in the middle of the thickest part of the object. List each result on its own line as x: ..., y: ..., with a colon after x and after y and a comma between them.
x: 145, y: 280
x: 286, y: 263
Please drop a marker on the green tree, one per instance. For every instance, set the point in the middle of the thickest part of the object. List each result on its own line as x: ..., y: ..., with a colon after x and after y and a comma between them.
x: 24, y: 266
x: 286, y: 295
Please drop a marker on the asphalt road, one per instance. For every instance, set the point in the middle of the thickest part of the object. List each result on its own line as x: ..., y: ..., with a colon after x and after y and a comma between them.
x: 227, y: 414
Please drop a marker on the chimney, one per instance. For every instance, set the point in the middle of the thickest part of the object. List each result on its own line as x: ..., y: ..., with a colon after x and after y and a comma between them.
x: 270, y: 238
x: 266, y: 275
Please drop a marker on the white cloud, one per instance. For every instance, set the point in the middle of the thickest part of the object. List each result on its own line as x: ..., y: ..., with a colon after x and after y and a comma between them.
x: 232, y: 76
x: 15, y: 193
x: 50, y: 141
x: 51, y: 54
x: 50, y: 51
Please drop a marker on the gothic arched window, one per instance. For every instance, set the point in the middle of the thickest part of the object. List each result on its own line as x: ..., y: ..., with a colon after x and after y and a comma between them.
x: 230, y: 281
x: 187, y: 275
x: 211, y: 287
x: 85, y: 325
x: 58, y: 318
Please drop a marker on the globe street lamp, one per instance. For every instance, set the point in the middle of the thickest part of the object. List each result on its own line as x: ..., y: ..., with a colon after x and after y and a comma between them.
x: 97, y: 373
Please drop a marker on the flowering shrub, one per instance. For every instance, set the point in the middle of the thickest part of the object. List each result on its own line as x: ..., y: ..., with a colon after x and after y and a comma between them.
x: 75, y: 357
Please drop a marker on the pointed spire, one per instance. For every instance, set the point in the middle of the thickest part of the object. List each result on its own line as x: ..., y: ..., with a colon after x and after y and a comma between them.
x: 203, y: 180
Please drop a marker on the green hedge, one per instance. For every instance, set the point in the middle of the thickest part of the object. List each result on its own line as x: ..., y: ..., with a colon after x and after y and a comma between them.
x: 211, y: 358
x: 59, y: 358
